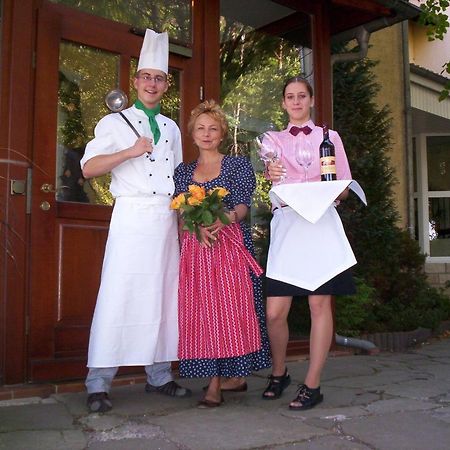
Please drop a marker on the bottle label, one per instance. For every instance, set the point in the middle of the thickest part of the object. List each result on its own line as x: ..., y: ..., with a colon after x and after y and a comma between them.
x: 328, y: 165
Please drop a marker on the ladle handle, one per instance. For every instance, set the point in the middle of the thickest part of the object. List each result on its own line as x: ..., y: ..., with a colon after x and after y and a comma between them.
x: 130, y: 124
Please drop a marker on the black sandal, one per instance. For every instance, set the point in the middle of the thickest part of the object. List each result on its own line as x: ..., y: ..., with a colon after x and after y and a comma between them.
x: 99, y: 402
x: 276, y: 386
x: 172, y: 389
x: 306, y: 398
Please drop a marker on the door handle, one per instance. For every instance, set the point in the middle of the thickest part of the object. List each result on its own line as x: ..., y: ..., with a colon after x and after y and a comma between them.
x: 45, y: 206
x: 48, y: 188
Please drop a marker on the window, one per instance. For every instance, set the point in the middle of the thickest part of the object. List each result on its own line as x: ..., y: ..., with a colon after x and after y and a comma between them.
x: 432, y: 195
x: 175, y: 16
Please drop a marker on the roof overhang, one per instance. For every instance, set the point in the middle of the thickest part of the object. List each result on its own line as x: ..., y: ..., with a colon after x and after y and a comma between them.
x: 373, y: 15
x: 290, y: 19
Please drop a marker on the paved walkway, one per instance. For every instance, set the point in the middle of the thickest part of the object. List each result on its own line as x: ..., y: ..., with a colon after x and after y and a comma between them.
x: 389, y: 401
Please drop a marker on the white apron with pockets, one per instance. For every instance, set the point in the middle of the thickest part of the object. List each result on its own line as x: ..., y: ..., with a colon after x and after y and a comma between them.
x: 136, y: 317
x: 308, y: 252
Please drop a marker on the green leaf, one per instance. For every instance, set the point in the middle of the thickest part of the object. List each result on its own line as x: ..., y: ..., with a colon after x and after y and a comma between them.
x: 224, y: 218
x: 207, y: 218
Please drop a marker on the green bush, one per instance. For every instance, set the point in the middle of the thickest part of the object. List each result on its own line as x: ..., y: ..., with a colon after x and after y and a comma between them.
x: 389, y: 260
x: 354, y: 312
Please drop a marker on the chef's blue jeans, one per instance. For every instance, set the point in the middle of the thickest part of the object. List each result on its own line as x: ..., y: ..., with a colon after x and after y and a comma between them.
x: 99, y: 379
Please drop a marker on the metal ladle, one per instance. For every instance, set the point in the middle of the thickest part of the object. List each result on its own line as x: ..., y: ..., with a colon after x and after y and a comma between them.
x: 116, y: 100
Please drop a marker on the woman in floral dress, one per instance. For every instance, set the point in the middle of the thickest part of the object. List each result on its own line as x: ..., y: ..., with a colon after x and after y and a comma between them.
x: 221, y: 314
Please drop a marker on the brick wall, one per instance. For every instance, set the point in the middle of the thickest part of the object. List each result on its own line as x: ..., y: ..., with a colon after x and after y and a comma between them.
x: 438, y: 275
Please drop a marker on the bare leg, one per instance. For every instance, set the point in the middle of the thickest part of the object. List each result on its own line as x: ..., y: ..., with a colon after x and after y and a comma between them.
x: 231, y: 382
x: 320, y: 337
x: 213, y: 393
x: 277, y: 310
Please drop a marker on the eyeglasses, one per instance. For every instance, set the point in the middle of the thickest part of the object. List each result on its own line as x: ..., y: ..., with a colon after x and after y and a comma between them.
x: 158, y: 79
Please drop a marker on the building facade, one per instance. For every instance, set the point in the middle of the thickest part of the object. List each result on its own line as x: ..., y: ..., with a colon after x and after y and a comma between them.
x: 410, y: 73
x: 59, y: 58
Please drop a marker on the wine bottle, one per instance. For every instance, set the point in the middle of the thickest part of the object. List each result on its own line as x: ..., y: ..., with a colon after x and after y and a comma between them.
x: 327, y: 158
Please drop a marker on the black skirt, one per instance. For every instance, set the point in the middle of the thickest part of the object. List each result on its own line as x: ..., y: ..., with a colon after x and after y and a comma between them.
x: 341, y: 284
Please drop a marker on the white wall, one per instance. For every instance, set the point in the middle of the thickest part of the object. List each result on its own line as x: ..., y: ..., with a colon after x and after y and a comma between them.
x: 429, y: 55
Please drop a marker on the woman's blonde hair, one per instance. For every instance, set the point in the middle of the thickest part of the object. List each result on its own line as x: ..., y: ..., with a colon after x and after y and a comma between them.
x: 213, y: 110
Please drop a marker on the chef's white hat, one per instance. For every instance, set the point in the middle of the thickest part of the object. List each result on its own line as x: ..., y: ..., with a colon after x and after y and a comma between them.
x: 154, y: 51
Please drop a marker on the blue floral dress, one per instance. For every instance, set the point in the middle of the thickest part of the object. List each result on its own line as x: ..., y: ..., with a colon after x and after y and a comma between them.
x: 238, y: 178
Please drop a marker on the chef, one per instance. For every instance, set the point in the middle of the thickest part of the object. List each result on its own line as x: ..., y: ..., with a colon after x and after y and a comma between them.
x: 135, y: 320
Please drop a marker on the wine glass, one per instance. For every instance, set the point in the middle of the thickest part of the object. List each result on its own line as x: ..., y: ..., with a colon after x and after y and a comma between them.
x: 268, y: 148
x: 303, y: 154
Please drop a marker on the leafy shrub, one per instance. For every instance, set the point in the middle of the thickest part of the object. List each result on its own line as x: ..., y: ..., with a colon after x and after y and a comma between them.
x: 389, y: 260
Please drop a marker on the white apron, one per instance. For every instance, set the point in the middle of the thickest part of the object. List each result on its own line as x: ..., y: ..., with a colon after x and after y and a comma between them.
x: 136, y: 318
x: 308, y: 245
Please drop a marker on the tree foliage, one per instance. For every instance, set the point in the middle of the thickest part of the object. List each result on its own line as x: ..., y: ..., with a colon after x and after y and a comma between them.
x: 435, y: 18
x: 389, y: 260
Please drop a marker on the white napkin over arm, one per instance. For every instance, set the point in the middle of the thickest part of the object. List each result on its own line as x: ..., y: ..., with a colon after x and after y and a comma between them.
x: 311, y: 200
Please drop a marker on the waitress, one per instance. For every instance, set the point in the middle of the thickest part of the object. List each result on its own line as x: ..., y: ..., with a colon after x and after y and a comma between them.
x: 298, y: 100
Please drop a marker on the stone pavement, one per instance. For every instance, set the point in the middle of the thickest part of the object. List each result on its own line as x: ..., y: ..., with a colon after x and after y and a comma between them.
x: 389, y: 401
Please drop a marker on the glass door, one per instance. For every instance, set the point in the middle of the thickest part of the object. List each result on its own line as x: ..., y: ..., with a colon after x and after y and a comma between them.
x: 76, y: 66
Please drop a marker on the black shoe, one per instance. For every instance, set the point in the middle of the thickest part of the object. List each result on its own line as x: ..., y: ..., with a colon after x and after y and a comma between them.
x: 306, y: 398
x: 171, y: 389
x: 276, y: 386
x: 99, y: 402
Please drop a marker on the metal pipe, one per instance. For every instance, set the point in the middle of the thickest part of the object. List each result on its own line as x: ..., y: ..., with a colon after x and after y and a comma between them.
x: 362, y: 36
x: 367, y: 346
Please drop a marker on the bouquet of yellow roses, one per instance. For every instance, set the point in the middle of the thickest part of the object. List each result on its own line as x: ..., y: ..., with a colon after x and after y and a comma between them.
x: 199, y: 207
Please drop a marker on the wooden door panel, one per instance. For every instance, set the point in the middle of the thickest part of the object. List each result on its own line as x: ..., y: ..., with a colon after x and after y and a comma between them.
x: 81, y: 249
x: 68, y: 235
x: 81, y: 252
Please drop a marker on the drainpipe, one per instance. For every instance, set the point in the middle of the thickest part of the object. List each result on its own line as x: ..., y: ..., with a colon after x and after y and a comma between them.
x: 362, y: 36
x: 368, y: 346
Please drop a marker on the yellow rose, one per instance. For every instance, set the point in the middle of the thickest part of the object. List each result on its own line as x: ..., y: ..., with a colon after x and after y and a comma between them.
x: 178, y: 201
x: 222, y: 192
x: 193, y: 201
x: 197, y: 192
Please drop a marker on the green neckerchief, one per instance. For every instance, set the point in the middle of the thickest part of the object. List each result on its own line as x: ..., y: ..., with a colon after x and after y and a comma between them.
x: 151, y: 113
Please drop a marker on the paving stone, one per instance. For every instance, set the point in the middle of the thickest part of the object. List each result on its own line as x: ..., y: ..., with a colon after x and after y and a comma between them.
x: 398, y: 405
x: 406, y: 431
x: 134, y: 444
x: 326, y: 442
x: 442, y: 414
x: 415, y: 389
x: 43, y: 440
x: 234, y: 428
x: 101, y: 422
x: 390, y: 401
x: 35, y: 417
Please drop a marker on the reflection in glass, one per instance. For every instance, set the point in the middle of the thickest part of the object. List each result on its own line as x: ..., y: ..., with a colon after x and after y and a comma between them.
x: 258, y: 52
x: 173, y: 16
x: 439, y: 226
x: 414, y: 164
x: 261, y: 45
x: 85, y: 75
x: 438, y: 163
x: 416, y: 219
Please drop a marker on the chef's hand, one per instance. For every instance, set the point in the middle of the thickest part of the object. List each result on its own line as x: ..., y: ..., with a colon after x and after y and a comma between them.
x: 141, y: 146
x: 275, y: 171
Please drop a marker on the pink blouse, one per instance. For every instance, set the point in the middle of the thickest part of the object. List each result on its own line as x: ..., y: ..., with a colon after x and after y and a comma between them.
x: 295, y: 172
